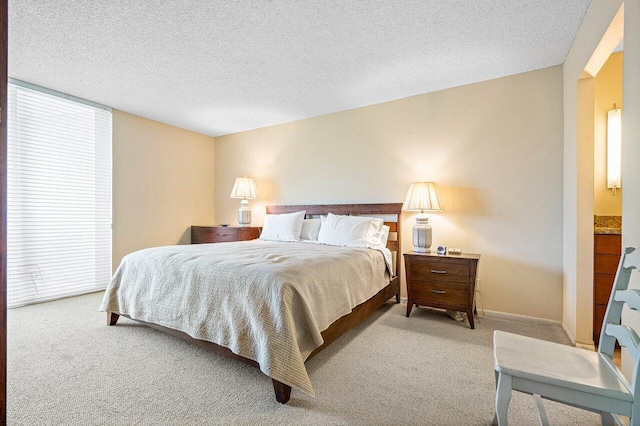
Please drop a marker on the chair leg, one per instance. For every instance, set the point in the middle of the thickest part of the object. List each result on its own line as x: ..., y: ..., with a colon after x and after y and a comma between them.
x: 503, y: 397
x: 495, y: 416
x: 635, y: 413
x: 542, y: 414
x: 607, y: 419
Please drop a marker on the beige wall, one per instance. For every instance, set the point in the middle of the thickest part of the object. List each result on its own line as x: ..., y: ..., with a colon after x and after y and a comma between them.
x: 494, y: 148
x: 163, y: 182
x: 608, y: 91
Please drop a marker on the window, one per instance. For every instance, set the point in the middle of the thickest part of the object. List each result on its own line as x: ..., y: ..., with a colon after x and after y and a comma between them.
x: 59, y: 195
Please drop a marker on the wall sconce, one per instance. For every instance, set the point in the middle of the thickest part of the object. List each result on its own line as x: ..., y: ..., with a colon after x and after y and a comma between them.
x: 614, y: 148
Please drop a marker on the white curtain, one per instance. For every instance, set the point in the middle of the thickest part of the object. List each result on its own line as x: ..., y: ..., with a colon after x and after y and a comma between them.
x: 59, y: 195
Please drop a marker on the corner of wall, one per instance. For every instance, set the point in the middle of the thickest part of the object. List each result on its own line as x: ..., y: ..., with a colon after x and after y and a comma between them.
x: 569, y: 334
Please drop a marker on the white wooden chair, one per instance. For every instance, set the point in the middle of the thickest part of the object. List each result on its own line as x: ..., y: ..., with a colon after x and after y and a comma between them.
x: 573, y: 376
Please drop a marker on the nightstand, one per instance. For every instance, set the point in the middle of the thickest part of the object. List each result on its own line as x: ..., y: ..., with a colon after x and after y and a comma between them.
x: 222, y: 234
x: 442, y: 281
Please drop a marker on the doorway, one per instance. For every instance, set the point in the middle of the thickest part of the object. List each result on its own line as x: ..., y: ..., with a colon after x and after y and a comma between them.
x: 599, y: 208
x: 607, y: 189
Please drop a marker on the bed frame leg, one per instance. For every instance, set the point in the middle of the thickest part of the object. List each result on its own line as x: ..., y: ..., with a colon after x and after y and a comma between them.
x: 283, y: 392
x: 397, y: 298
x: 112, y: 318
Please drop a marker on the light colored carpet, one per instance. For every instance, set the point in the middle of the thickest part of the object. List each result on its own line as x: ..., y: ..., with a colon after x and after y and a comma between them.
x: 66, y: 366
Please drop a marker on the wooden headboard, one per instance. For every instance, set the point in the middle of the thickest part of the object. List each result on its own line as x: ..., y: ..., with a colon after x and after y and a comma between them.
x: 387, y: 209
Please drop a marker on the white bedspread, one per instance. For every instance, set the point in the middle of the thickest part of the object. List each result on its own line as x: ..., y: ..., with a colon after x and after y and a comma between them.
x: 266, y: 301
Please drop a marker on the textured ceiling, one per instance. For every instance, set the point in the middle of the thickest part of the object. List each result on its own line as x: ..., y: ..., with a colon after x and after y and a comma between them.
x: 225, y: 66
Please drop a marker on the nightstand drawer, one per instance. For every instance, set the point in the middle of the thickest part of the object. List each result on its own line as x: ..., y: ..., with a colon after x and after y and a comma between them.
x: 223, y: 234
x: 245, y: 234
x: 440, y: 293
x: 210, y: 234
x: 437, y: 270
x: 217, y: 234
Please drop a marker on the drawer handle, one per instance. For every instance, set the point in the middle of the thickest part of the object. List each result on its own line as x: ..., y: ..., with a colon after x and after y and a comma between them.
x: 438, y: 291
x: 435, y: 271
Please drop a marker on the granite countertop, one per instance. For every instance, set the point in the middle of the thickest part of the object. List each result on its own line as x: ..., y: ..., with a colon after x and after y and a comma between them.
x: 607, y: 225
x: 599, y: 230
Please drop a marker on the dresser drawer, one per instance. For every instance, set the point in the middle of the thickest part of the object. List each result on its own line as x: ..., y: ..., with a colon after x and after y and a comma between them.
x: 602, y: 288
x: 204, y: 234
x: 606, y: 264
x: 220, y: 235
x: 245, y: 234
x: 598, y: 318
x: 223, y: 234
x: 608, y: 244
x: 606, y: 250
x: 440, y: 293
x: 439, y: 271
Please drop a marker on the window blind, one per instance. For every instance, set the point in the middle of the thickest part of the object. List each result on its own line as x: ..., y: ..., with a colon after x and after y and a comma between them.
x: 59, y: 196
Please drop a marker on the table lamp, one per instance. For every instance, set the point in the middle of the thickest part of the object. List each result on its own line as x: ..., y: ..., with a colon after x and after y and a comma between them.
x: 244, y: 188
x: 422, y: 196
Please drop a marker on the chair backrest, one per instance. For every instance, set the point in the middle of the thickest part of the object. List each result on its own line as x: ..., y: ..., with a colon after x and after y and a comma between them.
x: 612, y: 330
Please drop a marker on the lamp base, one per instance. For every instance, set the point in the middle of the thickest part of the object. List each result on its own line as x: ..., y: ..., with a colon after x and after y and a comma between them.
x: 422, y: 235
x: 244, y: 214
x: 421, y: 250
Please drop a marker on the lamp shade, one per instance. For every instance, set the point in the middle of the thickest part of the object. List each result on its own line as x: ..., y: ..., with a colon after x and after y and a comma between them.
x: 422, y: 196
x: 244, y: 187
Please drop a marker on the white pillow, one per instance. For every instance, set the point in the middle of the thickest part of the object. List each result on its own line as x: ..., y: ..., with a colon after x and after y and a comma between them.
x: 384, y: 235
x: 350, y: 231
x: 310, y: 229
x: 375, y: 232
x: 282, y: 227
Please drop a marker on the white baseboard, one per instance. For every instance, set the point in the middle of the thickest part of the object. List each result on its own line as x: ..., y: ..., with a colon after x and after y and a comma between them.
x: 517, y: 317
x: 589, y: 347
x: 570, y: 335
x: 574, y: 342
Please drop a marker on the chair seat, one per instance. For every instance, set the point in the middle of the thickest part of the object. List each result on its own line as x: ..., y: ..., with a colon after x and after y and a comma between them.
x: 557, y: 365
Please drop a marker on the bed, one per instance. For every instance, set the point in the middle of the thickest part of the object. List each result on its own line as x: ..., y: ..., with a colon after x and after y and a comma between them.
x: 270, y: 305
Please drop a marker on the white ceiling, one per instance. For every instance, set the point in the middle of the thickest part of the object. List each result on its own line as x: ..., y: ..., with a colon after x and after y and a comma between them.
x: 220, y: 67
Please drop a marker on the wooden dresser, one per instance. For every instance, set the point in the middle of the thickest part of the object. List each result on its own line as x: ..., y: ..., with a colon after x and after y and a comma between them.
x: 442, y: 281
x: 222, y: 234
x: 606, y: 255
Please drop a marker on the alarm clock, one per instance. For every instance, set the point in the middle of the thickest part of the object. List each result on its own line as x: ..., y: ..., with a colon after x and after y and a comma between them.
x: 442, y: 250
